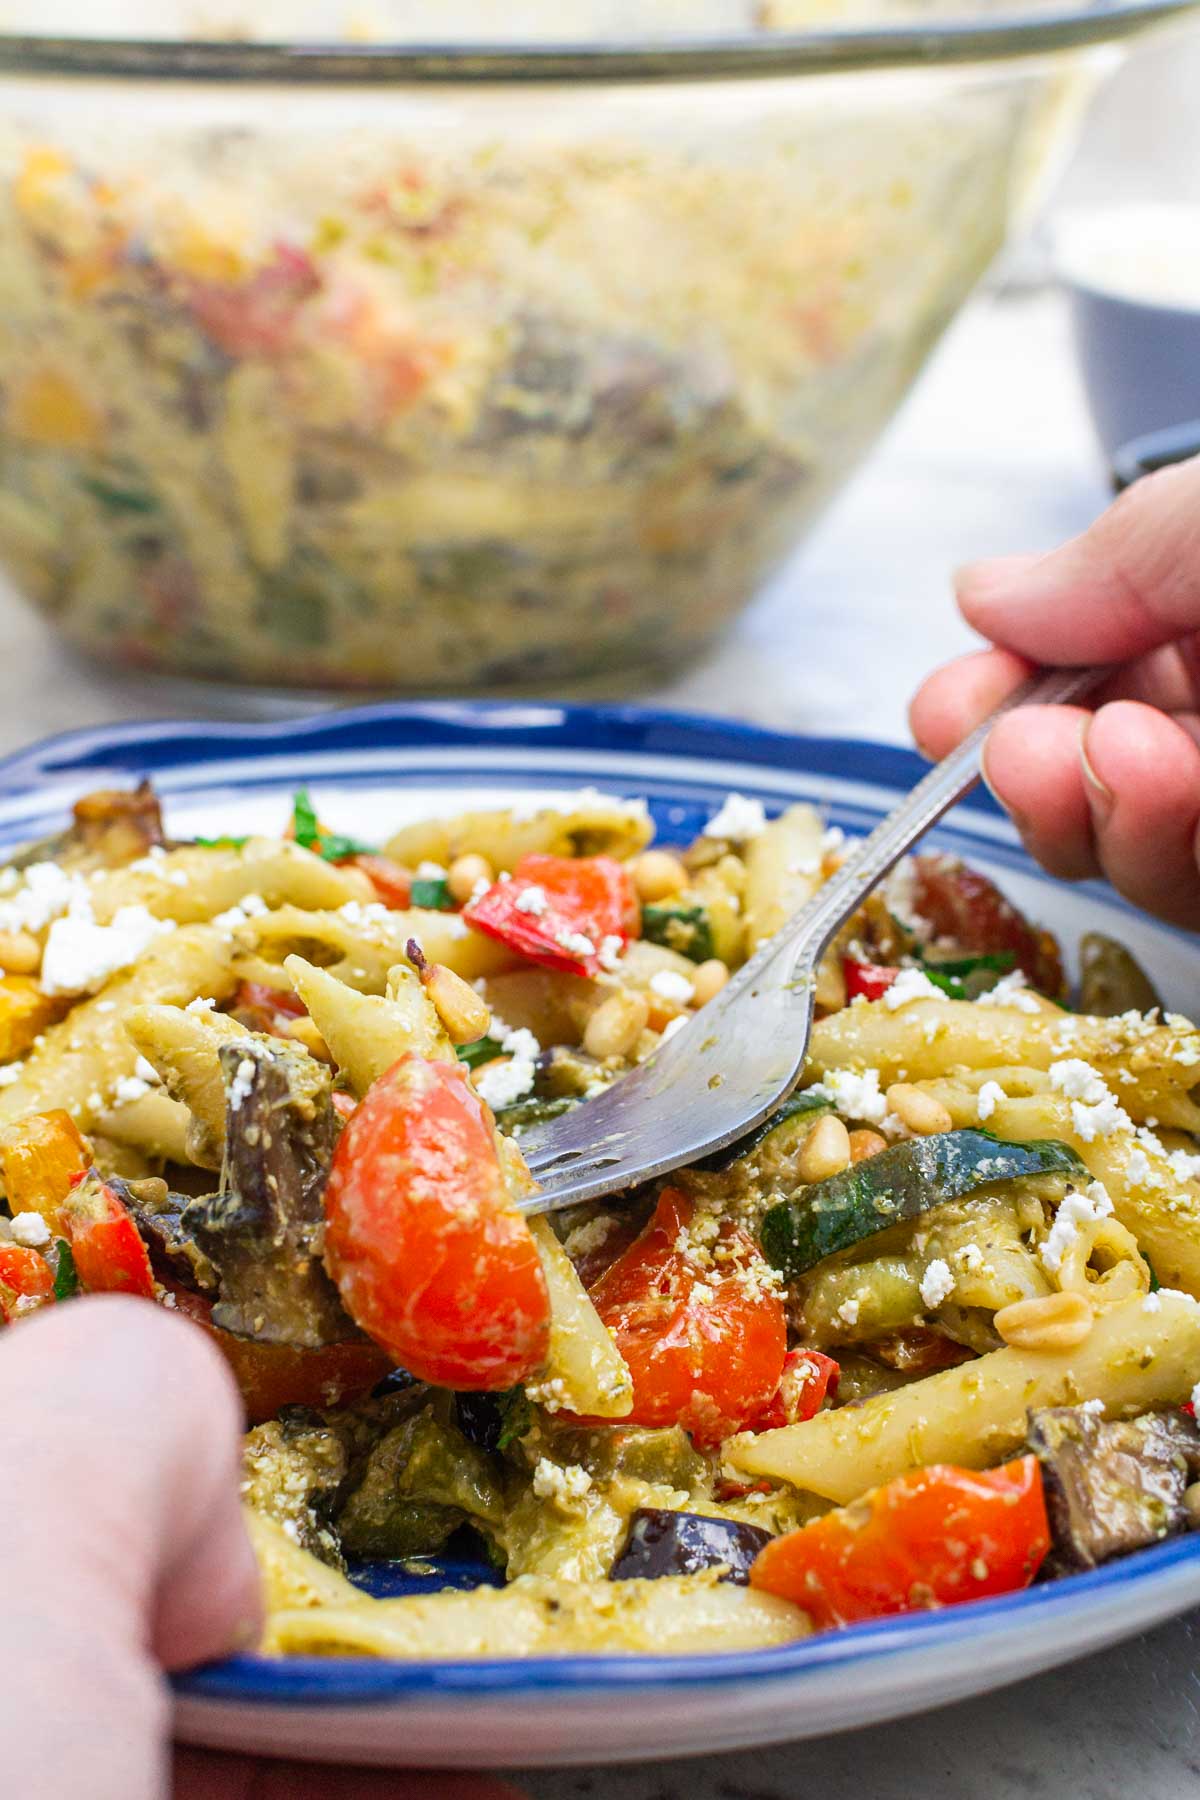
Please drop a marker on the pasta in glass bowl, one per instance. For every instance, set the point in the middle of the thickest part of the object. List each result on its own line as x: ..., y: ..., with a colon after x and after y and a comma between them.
x: 926, y: 1339
x: 372, y: 365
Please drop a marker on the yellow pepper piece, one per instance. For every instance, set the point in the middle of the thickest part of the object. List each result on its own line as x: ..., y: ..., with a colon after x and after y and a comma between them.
x: 49, y: 409
x: 25, y: 1013
x: 41, y: 173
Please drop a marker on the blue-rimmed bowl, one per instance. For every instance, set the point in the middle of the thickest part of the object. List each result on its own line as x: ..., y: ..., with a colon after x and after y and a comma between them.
x: 380, y: 765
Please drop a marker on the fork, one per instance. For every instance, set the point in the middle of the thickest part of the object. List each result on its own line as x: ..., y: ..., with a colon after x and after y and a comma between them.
x: 715, y: 1080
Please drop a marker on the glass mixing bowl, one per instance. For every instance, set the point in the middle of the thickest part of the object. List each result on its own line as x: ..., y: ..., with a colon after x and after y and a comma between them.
x: 350, y: 362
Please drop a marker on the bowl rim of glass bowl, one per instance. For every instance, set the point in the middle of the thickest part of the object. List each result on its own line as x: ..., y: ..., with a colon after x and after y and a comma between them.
x: 659, y: 59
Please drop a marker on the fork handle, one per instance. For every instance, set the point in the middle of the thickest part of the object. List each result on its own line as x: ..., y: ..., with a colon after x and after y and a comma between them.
x: 842, y: 895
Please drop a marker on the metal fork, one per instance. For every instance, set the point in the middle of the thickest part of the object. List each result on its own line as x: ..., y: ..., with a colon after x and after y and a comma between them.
x: 744, y: 1052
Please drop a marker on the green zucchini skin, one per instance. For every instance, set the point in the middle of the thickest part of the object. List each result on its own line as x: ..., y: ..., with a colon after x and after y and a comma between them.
x: 902, y: 1182
x: 793, y: 1107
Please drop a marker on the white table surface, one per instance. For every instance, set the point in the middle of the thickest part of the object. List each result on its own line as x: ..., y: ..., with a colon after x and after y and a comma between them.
x: 992, y: 453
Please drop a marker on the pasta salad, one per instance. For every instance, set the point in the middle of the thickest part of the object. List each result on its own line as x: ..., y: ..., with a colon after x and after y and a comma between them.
x: 927, y: 1335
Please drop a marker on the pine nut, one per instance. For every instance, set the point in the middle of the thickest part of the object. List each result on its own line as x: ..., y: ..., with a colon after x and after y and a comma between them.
x: 657, y: 875
x: 1049, y: 1322
x: 1191, y: 1502
x: 462, y: 1011
x: 616, y: 1025
x: 708, y: 981
x: 865, y: 1143
x: 923, y: 1115
x: 20, y: 953
x: 826, y: 1150
x: 465, y: 874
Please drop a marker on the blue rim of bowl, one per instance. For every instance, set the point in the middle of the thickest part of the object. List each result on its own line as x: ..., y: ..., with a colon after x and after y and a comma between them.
x: 159, y: 746
x: 650, y: 60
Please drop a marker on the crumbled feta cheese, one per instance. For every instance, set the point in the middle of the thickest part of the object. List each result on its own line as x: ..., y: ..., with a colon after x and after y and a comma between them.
x: 358, y: 912
x: 1195, y: 1398
x: 899, y: 891
x: 532, y: 900
x: 551, y: 1393
x: 1011, y: 990
x: 1074, y: 1210
x: 47, y: 894
x: 1092, y: 1406
x: 848, y: 1312
x: 1184, y: 1166
x: 971, y: 1257
x: 502, y: 1084
x: 911, y: 984
x: 854, y: 1093
x: 30, y: 1229
x: 95, y: 1101
x: 1078, y: 1080
x: 148, y: 864
x: 672, y: 1026
x: 1139, y: 1171
x: 668, y: 984
x: 575, y: 943
x: 1101, y: 1120
x: 130, y: 1088
x: 737, y: 820
x: 146, y: 1071
x: 937, y: 1283
x: 80, y: 955
x: 11, y: 1072
x: 201, y: 1005
x: 588, y: 1236
x: 429, y: 871
x: 565, y: 1488
x: 1151, y: 1303
x: 989, y: 1096
x: 609, y: 953
x: 242, y: 1083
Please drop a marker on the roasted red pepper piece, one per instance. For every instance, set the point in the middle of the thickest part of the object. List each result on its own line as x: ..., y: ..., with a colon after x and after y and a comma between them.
x: 961, y: 904
x: 705, y: 1345
x: 430, y: 1255
x: 870, y: 980
x: 26, y: 1281
x: 257, y: 996
x: 110, y: 1257
x: 257, y: 316
x: 391, y: 880
x: 807, y: 1377
x: 558, y: 910
x: 932, y: 1537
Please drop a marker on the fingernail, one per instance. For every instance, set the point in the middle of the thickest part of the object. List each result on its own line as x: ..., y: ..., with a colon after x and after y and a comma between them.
x: 1100, y: 797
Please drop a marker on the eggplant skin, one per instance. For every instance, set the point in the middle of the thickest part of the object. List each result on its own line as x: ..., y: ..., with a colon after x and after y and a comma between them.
x: 1112, y: 1487
x: 661, y: 1542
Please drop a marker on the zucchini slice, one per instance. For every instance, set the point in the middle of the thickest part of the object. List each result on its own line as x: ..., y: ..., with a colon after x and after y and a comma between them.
x: 902, y: 1182
x: 804, y: 1107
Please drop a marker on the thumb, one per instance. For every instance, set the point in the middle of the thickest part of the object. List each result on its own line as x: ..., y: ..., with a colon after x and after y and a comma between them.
x: 1127, y: 584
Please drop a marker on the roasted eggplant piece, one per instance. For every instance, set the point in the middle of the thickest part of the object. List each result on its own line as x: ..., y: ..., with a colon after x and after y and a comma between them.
x: 264, y: 1231
x: 293, y: 1469
x: 1112, y: 1487
x: 419, y: 1484
x: 158, y: 1215
x: 661, y: 1542
x: 111, y: 828
x: 1111, y: 980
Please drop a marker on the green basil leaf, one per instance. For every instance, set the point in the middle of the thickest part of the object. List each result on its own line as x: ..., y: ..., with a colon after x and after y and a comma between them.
x: 481, y: 1051
x: 66, y: 1278
x: 432, y: 893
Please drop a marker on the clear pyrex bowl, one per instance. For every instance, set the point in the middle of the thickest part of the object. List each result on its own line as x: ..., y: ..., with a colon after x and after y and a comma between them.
x: 521, y: 356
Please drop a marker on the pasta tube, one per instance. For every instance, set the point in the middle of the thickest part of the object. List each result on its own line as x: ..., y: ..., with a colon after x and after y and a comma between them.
x: 783, y: 870
x: 196, y: 883
x: 593, y: 825
x: 367, y: 1033
x: 360, y: 948
x: 183, y: 1048
x: 1143, y: 1352
x: 585, y: 1372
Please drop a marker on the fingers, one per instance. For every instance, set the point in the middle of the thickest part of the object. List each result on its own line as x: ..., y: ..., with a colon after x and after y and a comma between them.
x: 1141, y: 779
x: 952, y: 701
x: 1031, y: 763
x: 1127, y: 584
x: 140, y: 1410
x: 206, y: 1775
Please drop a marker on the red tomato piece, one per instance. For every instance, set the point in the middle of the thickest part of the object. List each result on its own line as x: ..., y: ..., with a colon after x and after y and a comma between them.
x: 932, y: 1537
x: 26, y: 1281
x: 871, y: 980
x: 257, y: 316
x: 271, y: 1376
x: 110, y: 1257
x: 963, y: 905
x: 558, y: 910
x: 705, y: 1345
x: 391, y: 880
x: 807, y: 1377
x: 257, y: 995
x: 430, y: 1255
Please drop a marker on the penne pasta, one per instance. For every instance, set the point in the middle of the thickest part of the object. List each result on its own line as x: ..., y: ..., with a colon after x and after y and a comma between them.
x: 783, y: 870
x: 1137, y: 1355
x: 360, y: 947
x: 367, y: 1033
x: 585, y: 825
x: 190, y: 885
